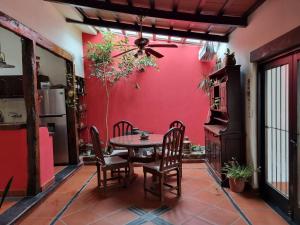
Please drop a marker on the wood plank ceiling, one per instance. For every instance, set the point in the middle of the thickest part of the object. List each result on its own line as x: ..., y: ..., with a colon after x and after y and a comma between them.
x: 173, y: 20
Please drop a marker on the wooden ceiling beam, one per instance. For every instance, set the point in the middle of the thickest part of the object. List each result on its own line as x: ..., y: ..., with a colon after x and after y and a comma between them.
x: 153, y: 30
x: 129, y: 2
x: 104, y: 5
x: 253, y: 8
x: 152, y: 4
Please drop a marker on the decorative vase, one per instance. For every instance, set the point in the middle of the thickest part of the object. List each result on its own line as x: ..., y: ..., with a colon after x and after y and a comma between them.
x: 229, y: 60
x: 236, y: 185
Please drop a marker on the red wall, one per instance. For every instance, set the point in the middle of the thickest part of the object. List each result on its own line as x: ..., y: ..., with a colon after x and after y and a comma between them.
x: 13, y: 160
x: 46, y: 157
x: 165, y: 95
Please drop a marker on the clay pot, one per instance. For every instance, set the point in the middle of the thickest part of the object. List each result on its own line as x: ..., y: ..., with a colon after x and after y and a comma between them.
x: 236, y: 185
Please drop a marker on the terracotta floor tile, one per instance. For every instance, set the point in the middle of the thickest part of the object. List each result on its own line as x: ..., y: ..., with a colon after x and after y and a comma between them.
x: 209, y: 197
x: 35, y: 221
x: 6, y: 205
x: 226, y: 204
x: 265, y: 217
x: 239, y: 221
x: 191, y: 206
x: 176, y: 216
x: 196, y: 221
x: 219, y: 216
x: 202, y: 202
x: 81, y: 217
x: 57, y: 169
x: 122, y: 217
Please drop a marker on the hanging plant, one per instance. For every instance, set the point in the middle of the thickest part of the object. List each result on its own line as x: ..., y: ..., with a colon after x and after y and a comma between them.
x: 206, y: 84
x: 109, y: 69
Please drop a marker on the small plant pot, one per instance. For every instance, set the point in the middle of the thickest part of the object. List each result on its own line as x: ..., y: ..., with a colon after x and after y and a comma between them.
x: 236, y: 185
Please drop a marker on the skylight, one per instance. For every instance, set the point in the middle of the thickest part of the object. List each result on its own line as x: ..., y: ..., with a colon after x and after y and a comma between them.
x: 192, y: 41
x: 147, y: 35
x: 130, y: 33
x: 176, y: 39
x: 116, y: 31
x: 161, y: 37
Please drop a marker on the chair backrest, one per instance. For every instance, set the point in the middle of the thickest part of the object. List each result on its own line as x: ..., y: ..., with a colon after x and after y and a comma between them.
x: 97, y: 145
x: 178, y: 124
x: 122, y: 128
x: 172, y: 149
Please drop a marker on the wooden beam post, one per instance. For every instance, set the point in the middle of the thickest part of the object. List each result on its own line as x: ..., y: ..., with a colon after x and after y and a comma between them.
x: 31, y: 102
x: 72, y: 123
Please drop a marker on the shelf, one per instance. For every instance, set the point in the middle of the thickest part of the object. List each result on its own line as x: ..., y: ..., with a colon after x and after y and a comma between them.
x: 223, y: 70
x: 82, y: 111
x: 82, y: 128
x: 221, y: 120
x: 216, y: 129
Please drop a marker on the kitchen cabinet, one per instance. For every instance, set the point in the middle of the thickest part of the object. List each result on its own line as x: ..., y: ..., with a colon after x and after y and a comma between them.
x: 224, y: 131
x: 11, y: 87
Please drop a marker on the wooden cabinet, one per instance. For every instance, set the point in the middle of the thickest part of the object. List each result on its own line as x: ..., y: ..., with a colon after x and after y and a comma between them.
x: 11, y: 87
x: 224, y: 130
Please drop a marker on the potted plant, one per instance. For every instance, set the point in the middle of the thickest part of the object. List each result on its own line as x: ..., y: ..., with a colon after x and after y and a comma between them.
x: 237, y: 175
x: 229, y: 59
x: 216, y: 103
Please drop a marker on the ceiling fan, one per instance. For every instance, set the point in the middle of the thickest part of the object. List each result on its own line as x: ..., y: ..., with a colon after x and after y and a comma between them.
x: 142, y: 45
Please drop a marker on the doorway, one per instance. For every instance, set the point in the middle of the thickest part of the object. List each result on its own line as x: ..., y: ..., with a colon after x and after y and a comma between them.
x: 279, y: 131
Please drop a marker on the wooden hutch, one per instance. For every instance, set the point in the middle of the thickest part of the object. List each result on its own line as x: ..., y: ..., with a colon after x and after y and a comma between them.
x: 224, y: 130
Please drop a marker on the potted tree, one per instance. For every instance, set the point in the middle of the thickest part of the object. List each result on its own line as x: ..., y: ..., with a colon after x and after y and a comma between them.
x: 110, y: 69
x: 237, y: 175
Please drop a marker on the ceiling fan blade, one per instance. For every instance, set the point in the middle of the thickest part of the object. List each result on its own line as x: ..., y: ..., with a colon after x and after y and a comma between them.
x: 162, y: 46
x: 152, y: 52
x: 122, y: 53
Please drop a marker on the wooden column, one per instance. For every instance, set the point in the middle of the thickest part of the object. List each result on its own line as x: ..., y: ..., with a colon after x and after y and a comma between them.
x: 31, y: 102
x: 72, y: 123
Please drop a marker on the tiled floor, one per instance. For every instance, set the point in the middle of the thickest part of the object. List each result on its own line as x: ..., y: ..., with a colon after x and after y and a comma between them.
x: 57, y: 169
x: 7, y: 204
x: 77, y: 201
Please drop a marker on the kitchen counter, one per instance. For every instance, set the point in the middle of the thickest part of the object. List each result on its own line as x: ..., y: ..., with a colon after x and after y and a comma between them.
x: 12, y: 126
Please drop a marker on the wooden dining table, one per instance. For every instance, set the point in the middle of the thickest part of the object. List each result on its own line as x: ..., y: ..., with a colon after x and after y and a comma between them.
x: 132, y: 142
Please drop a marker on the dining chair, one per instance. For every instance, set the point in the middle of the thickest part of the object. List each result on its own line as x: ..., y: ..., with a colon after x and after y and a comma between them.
x: 121, y: 128
x: 171, y: 161
x: 178, y: 124
x: 107, y: 163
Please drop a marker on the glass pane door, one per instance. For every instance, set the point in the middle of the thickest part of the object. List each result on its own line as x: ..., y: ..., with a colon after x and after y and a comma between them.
x: 277, y: 128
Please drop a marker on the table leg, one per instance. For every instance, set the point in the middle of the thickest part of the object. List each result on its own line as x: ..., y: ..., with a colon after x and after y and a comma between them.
x: 132, y: 175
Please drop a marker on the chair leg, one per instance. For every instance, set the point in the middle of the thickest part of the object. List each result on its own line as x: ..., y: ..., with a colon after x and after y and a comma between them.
x: 179, y: 181
x: 98, y: 175
x: 161, y: 184
x: 119, y: 176
x: 125, y: 176
x: 145, y: 183
x: 104, y: 180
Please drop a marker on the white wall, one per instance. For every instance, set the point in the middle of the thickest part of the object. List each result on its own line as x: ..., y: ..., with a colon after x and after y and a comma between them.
x: 12, y: 48
x: 52, y: 66
x: 44, y: 18
x: 10, y: 106
x: 272, y: 19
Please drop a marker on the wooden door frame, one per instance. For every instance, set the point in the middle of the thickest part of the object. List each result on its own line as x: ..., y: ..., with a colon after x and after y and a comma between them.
x: 30, y: 39
x: 270, y: 194
x: 286, y: 44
